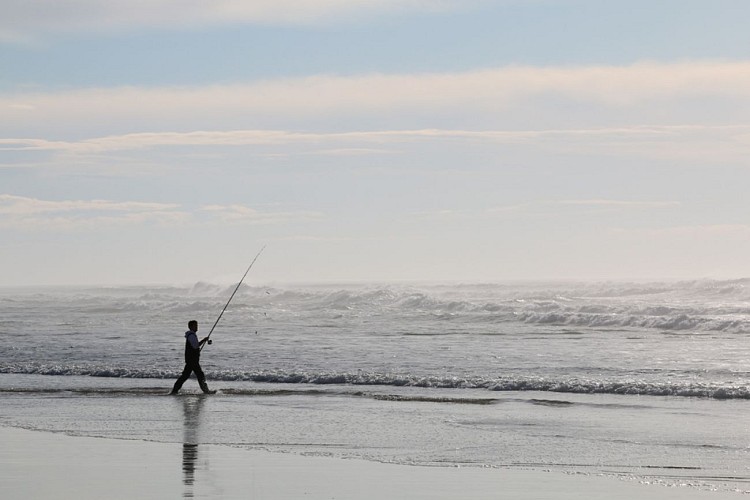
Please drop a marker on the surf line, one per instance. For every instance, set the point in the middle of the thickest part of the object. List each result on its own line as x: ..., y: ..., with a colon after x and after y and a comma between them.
x: 208, y: 338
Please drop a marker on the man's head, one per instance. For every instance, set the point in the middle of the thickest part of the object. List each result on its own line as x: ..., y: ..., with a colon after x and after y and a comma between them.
x: 193, y: 325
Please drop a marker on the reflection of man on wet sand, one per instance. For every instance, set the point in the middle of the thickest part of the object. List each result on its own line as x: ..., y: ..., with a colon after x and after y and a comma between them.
x: 191, y: 408
x: 192, y: 359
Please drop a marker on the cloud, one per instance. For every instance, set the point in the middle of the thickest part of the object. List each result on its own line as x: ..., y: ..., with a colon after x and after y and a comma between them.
x: 243, y: 214
x: 550, y: 207
x: 32, y: 213
x: 20, y: 211
x: 676, y: 142
x: 507, y: 98
x: 603, y: 203
x: 693, y: 233
x: 24, y: 17
x: 324, y: 239
x: 20, y: 205
x: 682, y: 112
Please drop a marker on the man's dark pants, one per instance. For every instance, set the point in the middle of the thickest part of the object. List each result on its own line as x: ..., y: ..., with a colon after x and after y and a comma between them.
x: 190, y: 367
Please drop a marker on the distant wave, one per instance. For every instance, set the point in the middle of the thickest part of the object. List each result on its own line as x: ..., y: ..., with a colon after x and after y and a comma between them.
x: 703, y: 305
x: 676, y: 310
x: 679, y: 321
x: 706, y: 305
x: 509, y: 384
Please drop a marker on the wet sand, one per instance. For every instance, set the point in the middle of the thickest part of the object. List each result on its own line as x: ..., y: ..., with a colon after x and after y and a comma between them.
x: 43, y: 465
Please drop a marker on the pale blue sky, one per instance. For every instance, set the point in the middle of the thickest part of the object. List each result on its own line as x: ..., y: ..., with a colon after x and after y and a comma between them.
x: 373, y: 140
x: 483, y: 34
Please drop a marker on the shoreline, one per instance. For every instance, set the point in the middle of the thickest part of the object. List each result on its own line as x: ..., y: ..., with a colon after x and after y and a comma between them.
x: 42, y: 465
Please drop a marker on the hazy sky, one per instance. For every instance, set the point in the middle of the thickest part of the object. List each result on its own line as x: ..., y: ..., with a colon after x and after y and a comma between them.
x: 166, y: 141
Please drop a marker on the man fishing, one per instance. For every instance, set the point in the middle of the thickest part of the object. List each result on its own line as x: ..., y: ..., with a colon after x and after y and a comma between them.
x: 193, y: 346
x: 192, y: 359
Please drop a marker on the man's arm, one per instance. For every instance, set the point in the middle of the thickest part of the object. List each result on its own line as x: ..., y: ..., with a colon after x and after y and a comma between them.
x: 193, y: 340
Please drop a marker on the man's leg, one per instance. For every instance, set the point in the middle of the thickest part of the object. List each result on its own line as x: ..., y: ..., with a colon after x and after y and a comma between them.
x: 201, y: 378
x: 185, y: 375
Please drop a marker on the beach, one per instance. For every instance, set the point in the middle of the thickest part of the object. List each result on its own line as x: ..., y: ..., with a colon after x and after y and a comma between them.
x: 42, y: 465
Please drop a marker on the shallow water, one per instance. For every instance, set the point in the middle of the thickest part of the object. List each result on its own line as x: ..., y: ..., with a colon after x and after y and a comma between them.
x: 666, y: 440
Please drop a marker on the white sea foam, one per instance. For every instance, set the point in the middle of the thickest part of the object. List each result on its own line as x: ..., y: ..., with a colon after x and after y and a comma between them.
x: 507, y: 384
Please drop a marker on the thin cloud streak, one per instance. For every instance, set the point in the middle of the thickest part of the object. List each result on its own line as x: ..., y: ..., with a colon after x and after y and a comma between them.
x: 534, y: 208
x: 617, y: 203
x: 243, y: 214
x: 32, y: 213
x: 691, y: 232
x: 592, y: 205
x: 652, y: 134
x: 662, y: 94
x: 20, y: 205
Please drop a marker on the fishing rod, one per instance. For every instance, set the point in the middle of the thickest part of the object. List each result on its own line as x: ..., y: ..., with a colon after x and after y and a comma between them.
x: 208, y: 341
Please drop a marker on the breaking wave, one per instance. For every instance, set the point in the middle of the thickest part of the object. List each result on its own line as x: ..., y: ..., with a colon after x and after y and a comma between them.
x: 714, y: 306
x: 721, y: 306
x: 507, y: 384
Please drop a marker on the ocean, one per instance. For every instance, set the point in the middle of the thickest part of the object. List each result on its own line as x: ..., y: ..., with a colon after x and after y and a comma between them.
x: 643, y: 382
